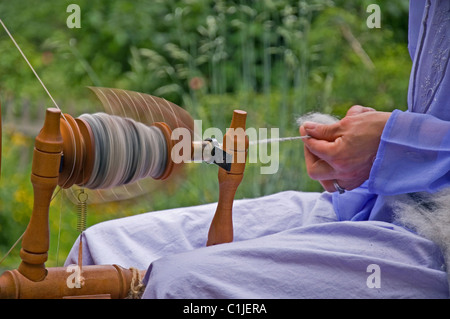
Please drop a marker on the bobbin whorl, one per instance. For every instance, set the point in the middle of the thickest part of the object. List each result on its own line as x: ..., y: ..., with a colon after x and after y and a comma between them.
x: 101, y: 151
x: 73, y: 152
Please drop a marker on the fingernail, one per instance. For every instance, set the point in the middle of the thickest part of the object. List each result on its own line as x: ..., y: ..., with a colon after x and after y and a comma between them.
x: 309, y: 125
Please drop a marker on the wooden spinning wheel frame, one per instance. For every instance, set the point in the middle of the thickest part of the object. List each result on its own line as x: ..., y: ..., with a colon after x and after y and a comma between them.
x: 63, y: 155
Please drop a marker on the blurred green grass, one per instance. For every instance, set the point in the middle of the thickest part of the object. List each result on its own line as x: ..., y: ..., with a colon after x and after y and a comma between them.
x: 275, y: 59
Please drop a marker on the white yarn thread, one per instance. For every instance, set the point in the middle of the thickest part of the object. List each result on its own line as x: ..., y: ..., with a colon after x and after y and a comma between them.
x: 125, y: 151
x: 45, y: 89
x: 277, y: 140
x: 309, y: 117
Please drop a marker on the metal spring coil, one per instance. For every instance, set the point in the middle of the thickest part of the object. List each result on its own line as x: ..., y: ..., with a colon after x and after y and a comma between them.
x: 82, y: 211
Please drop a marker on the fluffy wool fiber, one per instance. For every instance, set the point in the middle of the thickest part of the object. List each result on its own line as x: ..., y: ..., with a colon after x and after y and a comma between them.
x: 428, y: 215
x: 317, y: 118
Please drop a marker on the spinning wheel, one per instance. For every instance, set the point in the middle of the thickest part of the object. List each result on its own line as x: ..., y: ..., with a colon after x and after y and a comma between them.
x: 71, y: 151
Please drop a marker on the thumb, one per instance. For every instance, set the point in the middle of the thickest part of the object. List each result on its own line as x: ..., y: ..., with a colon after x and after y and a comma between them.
x: 328, y: 132
x: 358, y: 109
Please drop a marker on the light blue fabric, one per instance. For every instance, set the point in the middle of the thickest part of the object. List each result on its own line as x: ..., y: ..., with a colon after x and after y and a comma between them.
x: 311, y: 245
x: 138, y: 240
x: 416, y: 10
x: 316, y: 261
x: 287, y: 245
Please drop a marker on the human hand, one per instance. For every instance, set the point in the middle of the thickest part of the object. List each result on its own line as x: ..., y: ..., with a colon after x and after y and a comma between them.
x: 344, y: 151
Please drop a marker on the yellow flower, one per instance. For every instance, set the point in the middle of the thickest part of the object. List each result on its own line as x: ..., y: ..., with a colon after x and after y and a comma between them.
x: 22, y: 196
x: 19, y: 139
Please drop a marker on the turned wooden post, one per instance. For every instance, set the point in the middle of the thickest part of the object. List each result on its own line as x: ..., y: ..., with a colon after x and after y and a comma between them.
x: 44, y: 177
x: 235, y: 142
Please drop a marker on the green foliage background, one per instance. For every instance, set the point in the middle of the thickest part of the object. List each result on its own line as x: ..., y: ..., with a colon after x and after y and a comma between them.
x: 276, y: 59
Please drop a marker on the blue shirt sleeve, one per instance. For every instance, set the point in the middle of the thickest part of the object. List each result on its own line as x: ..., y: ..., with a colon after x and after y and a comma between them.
x: 413, y: 156
x: 416, y: 9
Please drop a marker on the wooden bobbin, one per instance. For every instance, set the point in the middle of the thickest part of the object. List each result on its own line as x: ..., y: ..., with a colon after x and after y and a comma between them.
x: 79, y: 151
x: 169, y: 142
x: 72, y: 151
x: 88, y: 144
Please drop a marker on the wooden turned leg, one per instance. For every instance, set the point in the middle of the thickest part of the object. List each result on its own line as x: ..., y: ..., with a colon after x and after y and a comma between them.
x: 44, y: 177
x: 235, y: 142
